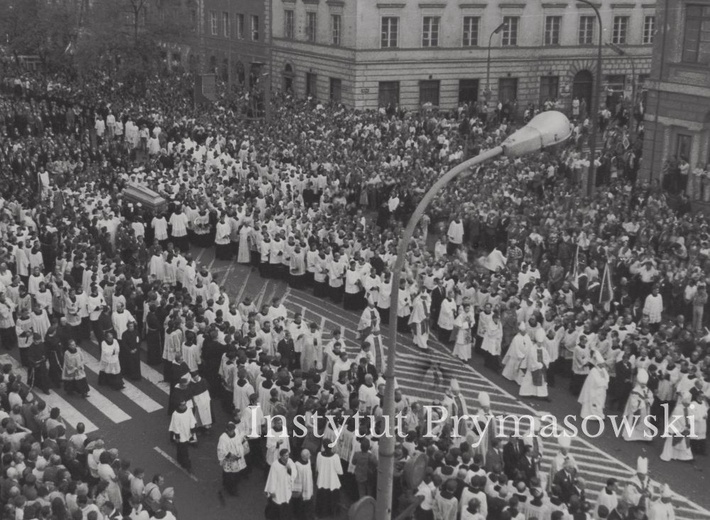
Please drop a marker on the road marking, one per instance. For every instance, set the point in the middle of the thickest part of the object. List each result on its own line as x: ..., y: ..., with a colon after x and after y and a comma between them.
x: 153, y: 376
x: 244, y: 286
x: 259, y: 297
x: 129, y: 390
x: 106, y: 406
x: 176, y: 464
x: 202, y: 252
x: 71, y: 415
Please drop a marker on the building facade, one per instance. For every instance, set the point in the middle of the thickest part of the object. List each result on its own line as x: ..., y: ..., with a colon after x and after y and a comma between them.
x: 411, y: 52
x: 227, y: 37
x: 677, y: 122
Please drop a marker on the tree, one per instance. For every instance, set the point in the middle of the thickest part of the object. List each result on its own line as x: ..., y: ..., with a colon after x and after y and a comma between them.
x: 124, y: 38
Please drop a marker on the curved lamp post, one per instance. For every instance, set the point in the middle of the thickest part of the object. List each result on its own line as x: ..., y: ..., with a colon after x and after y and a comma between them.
x: 545, y: 129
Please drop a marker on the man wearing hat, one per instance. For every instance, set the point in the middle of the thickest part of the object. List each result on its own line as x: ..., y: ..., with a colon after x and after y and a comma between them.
x: 639, y: 488
x: 680, y: 426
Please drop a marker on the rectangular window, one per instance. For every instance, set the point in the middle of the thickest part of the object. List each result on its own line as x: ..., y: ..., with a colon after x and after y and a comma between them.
x: 510, y: 31
x: 586, y: 29
x: 507, y: 90
x: 255, y: 28
x: 390, y: 30
x: 470, y: 31
x: 552, y: 30
x: 388, y: 94
x: 311, y: 85
x: 289, y: 24
x: 430, y: 31
x: 649, y: 29
x: 549, y: 88
x: 311, y: 27
x: 336, y: 22
x: 225, y: 24
x: 618, y: 35
x: 213, y: 23
x: 468, y: 91
x: 336, y: 86
x: 429, y: 92
x: 240, y: 26
x: 696, y: 39
x: 683, y: 145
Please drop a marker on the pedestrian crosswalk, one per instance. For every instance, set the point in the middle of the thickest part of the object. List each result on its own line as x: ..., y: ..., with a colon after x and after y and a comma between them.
x: 596, y: 466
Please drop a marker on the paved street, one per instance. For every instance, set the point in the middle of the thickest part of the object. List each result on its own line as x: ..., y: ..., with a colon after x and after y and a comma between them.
x: 135, y: 419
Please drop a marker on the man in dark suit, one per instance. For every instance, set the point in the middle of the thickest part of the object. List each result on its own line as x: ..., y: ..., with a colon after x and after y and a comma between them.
x: 527, y: 464
x: 512, y: 453
x: 497, y: 503
x: 437, y: 296
x: 619, y: 512
x: 565, y: 480
x: 494, y: 456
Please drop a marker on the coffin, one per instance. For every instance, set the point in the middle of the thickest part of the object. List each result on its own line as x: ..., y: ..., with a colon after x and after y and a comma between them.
x: 149, y: 199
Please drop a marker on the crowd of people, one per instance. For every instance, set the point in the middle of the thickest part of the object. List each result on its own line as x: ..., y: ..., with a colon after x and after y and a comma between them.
x: 510, y: 263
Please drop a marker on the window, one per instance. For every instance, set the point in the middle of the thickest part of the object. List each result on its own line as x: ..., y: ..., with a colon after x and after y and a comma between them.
x: 549, y: 88
x: 254, y: 27
x: 311, y: 26
x: 470, y: 31
x: 213, y: 23
x: 696, y: 40
x: 430, y: 31
x: 225, y: 24
x: 586, y: 29
x: 335, y: 27
x: 388, y: 93
x: 240, y: 26
x: 510, y: 31
x: 552, y: 30
x: 336, y: 86
x: 311, y: 85
x: 429, y: 92
x: 390, y: 26
x: 507, y: 89
x: 288, y: 24
x: 468, y: 91
x: 618, y: 35
x: 683, y: 146
x: 649, y: 29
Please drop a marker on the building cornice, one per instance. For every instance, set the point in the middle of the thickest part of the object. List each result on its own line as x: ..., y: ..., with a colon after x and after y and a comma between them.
x: 391, y: 6
x: 623, y: 6
x: 432, y: 6
x: 335, y: 3
x: 473, y: 6
x: 511, y: 6
x: 311, y: 2
x: 554, y: 5
x: 289, y: 1
x: 585, y: 6
x: 648, y: 6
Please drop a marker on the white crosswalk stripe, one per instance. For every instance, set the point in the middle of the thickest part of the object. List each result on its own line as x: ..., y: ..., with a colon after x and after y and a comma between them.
x: 595, y: 465
x: 129, y: 390
x: 71, y: 415
x: 106, y: 406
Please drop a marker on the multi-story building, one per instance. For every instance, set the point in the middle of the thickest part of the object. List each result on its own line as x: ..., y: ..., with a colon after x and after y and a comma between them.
x: 228, y: 37
x: 407, y: 53
x: 677, y: 122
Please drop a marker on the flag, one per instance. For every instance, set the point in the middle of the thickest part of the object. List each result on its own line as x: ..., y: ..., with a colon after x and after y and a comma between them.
x: 606, y: 293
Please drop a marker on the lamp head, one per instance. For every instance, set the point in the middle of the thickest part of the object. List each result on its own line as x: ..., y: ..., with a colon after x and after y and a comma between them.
x: 544, y: 130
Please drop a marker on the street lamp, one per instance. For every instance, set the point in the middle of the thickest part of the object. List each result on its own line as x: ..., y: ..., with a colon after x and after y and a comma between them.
x: 592, y: 177
x: 488, y: 60
x: 544, y: 130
